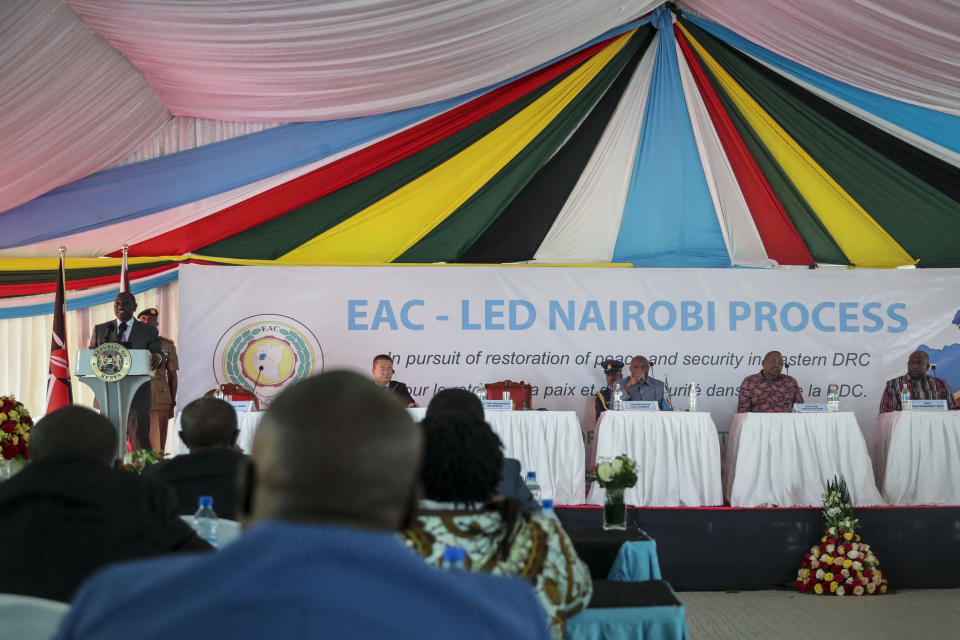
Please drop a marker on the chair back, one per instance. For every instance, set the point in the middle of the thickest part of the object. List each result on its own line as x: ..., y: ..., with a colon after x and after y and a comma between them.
x: 521, y: 393
x: 233, y: 391
x: 228, y: 531
x: 29, y: 618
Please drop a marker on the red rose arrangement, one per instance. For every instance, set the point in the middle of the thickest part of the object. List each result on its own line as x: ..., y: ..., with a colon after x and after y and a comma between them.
x: 15, y: 425
x: 841, y: 564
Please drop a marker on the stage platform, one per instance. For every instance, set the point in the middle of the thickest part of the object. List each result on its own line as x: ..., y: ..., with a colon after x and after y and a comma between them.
x: 719, y: 548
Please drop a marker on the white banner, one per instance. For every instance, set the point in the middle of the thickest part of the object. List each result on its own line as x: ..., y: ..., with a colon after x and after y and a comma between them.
x: 551, y: 327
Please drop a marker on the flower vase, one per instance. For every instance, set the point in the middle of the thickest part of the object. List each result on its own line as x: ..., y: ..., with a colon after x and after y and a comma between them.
x: 10, y: 467
x: 614, y: 510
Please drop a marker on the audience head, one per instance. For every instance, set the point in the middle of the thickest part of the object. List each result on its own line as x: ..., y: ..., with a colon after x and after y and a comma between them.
x: 336, y: 448
x: 74, y: 433
x: 208, y: 423
x: 382, y: 369
x: 462, y: 459
x: 457, y: 402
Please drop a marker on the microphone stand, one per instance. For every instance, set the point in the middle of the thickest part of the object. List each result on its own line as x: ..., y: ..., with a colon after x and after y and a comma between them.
x: 257, y: 381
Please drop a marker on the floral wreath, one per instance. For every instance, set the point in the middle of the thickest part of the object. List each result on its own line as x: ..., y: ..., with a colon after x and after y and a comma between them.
x: 15, y: 425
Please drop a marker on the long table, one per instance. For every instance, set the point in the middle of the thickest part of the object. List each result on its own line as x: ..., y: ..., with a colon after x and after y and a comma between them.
x: 548, y: 442
x: 916, y: 457
x: 786, y: 459
x: 677, y: 455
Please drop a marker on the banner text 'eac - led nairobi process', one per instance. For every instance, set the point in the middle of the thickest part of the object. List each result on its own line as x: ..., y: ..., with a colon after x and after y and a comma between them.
x: 826, y: 316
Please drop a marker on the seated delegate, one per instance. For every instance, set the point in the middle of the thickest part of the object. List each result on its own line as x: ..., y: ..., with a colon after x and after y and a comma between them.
x: 920, y: 385
x: 769, y: 391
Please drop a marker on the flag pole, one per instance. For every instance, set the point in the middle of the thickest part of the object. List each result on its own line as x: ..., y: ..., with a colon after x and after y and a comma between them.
x: 59, y: 391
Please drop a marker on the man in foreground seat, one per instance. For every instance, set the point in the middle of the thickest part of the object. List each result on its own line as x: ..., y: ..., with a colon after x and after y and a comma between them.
x: 208, y: 426
x: 68, y: 513
x: 333, y: 478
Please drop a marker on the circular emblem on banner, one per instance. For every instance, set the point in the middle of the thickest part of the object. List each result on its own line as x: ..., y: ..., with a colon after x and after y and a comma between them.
x: 267, y: 352
x: 110, y: 361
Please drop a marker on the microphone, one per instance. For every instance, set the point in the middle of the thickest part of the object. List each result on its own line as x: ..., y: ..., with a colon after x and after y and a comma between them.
x: 257, y: 381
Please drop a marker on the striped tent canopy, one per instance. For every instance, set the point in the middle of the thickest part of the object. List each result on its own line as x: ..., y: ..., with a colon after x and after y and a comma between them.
x: 654, y: 136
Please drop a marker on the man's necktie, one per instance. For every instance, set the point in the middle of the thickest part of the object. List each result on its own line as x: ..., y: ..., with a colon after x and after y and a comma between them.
x: 121, y: 330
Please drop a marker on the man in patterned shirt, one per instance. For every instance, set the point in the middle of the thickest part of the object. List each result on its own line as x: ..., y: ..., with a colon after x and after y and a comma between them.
x: 918, y: 383
x: 769, y: 391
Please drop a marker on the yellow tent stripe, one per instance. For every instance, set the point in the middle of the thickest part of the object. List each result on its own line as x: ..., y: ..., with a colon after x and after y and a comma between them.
x: 52, y: 264
x: 858, y: 235
x: 387, y: 228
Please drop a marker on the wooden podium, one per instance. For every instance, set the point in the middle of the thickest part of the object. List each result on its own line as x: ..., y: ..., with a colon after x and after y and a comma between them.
x: 114, y: 373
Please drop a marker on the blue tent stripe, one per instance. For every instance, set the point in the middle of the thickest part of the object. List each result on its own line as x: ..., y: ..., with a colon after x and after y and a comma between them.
x: 941, y: 128
x: 87, y: 301
x: 669, y: 218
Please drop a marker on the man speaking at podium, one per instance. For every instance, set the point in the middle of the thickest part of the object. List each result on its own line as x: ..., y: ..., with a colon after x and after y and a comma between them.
x: 133, y: 335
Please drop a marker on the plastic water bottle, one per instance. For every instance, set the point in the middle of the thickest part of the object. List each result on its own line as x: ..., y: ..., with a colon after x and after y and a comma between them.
x: 454, y: 558
x: 482, y: 392
x: 906, y: 404
x: 693, y: 397
x: 617, y: 397
x: 548, y: 510
x: 205, y: 522
x: 833, y: 398
x: 533, y: 486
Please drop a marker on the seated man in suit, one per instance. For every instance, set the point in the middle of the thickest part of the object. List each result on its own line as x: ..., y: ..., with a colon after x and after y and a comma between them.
x: 641, y: 386
x: 133, y: 335
x: 333, y: 479
x: 208, y: 427
x: 69, y: 512
x: 459, y: 401
x: 383, y: 376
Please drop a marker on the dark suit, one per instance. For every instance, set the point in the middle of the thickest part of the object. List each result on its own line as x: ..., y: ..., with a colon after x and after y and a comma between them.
x: 602, y: 401
x: 512, y: 485
x: 142, y: 336
x: 402, y: 392
x: 204, y: 473
x: 62, y: 521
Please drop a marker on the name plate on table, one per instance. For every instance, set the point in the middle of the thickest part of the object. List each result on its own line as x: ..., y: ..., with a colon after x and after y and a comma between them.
x: 641, y: 405
x: 810, y: 407
x: 498, y: 405
x: 929, y: 405
x: 241, y: 405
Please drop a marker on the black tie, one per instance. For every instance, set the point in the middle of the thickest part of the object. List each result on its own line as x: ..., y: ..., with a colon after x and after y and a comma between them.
x: 122, y: 329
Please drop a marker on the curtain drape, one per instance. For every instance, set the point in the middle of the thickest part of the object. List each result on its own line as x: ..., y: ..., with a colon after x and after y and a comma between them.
x: 902, y: 50
x: 300, y: 60
x: 71, y: 104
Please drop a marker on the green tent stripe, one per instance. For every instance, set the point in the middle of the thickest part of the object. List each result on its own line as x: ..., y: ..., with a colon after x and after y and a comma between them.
x: 276, y: 237
x: 894, y: 197
x: 51, y: 275
x: 820, y: 243
x: 536, y: 207
x: 448, y: 240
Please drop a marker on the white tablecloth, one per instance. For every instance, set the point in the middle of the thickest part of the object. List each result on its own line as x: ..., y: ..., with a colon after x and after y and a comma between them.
x: 786, y: 459
x: 916, y: 457
x: 548, y: 442
x: 247, y: 422
x: 677, y: 455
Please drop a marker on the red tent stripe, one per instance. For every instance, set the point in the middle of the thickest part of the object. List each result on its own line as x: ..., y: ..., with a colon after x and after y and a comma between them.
x: 329, y: 178
x: 780, y: 237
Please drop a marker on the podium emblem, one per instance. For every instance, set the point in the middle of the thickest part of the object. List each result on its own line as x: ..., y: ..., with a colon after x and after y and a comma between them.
x: 110, y: 362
